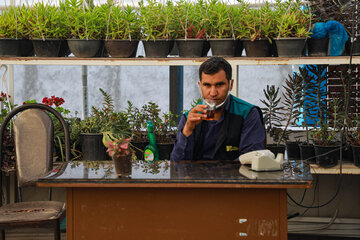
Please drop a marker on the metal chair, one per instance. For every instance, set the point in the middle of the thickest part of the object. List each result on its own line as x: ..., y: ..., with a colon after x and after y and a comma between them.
x: 33, y: 130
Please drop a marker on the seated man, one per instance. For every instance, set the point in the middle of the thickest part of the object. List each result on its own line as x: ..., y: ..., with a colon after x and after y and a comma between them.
x: 236, y: 128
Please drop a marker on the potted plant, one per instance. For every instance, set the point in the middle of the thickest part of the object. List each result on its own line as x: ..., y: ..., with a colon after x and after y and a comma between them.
x: 306, y: 148
x: 13, y: 37
x: 123, y: 30
x: 104, y: 119
x: 119, y: 149
x: 87, y: 26
x: 291, y: 102
x: 220, y: 28
x: 189, y: 29
x: 156, y: 22
x: 272, y: 119
x: 354, y: 140
x: 293, y: 27
x: 9, y: 156
x: 259, y: 29
x: 46, y: 29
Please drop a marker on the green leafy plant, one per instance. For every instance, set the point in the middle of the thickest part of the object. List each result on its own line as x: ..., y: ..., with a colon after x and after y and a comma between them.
x: 219, y: 22
x: 272, y: 113
x: 46, y: 21
x: 259, y: 23
x: 122, y: 22
x: 117, y: 145
x: 9, y: 23
x: 292, y: 20
x: 292, y: 100
x: 156, y: 19
x: 85, y: 21
x: 164, y: 125
x: 188, y: 20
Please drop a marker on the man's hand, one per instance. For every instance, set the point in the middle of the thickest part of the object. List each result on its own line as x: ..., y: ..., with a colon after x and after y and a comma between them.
x: 195, y: 116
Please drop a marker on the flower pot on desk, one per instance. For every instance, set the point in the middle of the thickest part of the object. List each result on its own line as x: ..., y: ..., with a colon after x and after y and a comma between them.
x: 122, y: 165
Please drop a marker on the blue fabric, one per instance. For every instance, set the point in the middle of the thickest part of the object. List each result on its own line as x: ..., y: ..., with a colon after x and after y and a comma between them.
x: 337, y: 32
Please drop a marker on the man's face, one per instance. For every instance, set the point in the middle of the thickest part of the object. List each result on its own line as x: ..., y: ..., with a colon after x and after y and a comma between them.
x: 215, y: 86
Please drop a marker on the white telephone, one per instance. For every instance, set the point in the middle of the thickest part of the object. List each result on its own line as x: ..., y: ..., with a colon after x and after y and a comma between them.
x: 263, y: 160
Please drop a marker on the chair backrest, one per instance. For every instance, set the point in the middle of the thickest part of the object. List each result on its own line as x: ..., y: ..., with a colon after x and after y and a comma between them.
x: 34, y: 152
x: 33, y: 130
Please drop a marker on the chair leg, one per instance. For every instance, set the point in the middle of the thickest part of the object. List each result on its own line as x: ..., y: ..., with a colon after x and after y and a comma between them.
x: 2, y: 234
x: 57, y: 231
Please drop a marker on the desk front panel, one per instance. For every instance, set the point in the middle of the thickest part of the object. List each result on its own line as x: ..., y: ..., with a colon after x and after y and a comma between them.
x: 176, y: 213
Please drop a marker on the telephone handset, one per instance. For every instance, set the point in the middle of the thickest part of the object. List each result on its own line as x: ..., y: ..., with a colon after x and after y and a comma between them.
x: 263, y: 160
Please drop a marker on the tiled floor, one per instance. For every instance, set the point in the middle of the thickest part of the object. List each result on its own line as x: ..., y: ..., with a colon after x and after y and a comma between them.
x: 31, y: 234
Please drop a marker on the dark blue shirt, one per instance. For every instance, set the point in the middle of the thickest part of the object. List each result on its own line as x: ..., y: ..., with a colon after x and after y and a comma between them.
x: 252, y: 137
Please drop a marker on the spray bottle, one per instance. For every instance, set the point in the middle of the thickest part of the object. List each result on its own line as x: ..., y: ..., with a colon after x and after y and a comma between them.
x: 151, y: 152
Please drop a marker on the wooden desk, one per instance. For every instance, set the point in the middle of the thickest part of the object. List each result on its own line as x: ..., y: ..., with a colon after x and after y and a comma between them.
x: 169, y: 200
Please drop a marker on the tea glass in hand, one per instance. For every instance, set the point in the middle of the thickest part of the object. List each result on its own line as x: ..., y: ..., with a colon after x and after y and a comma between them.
x: 210, y: 110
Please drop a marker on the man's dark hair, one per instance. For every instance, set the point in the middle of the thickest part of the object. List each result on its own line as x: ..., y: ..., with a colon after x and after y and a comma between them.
x: 214, y: 65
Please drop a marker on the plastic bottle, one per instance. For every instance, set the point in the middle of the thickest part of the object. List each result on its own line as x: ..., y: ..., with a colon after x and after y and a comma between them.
x: 151, y: 151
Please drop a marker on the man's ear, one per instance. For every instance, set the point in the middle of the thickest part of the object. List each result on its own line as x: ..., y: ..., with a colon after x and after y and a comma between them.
x: 199, y: 83
x: 231, y: 84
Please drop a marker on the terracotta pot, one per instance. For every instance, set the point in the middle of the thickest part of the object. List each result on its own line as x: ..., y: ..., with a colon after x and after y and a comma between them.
x: 122, y: 165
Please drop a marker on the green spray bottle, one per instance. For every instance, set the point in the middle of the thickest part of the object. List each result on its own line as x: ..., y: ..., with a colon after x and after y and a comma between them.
x: 151, y: 152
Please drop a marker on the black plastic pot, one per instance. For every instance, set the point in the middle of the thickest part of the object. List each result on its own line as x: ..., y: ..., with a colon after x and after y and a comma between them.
x: 64, y: 49
x: 307, y: 152
x: 224, y: 47
x: 356, y: 47
x: 83, y: 48
x: 257, y: 48
x: 26, y: 48
x: 276, y: 149
x: 238, y: 48
x: 9, y: 47
x: 190, y: 47
x: 356, y: 155
x: 92, y: 147
x: 121, y: 48
x: 165, y: 150
x: 206, y: 48
x: 293, y: 150
x: 160, y: 48
x: 47, y: 47
x: 317, y: 47
x: 290, y: 47
x: 327, y: 156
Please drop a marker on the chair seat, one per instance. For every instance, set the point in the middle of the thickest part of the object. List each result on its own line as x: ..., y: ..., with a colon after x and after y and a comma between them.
x: 31, y: 211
